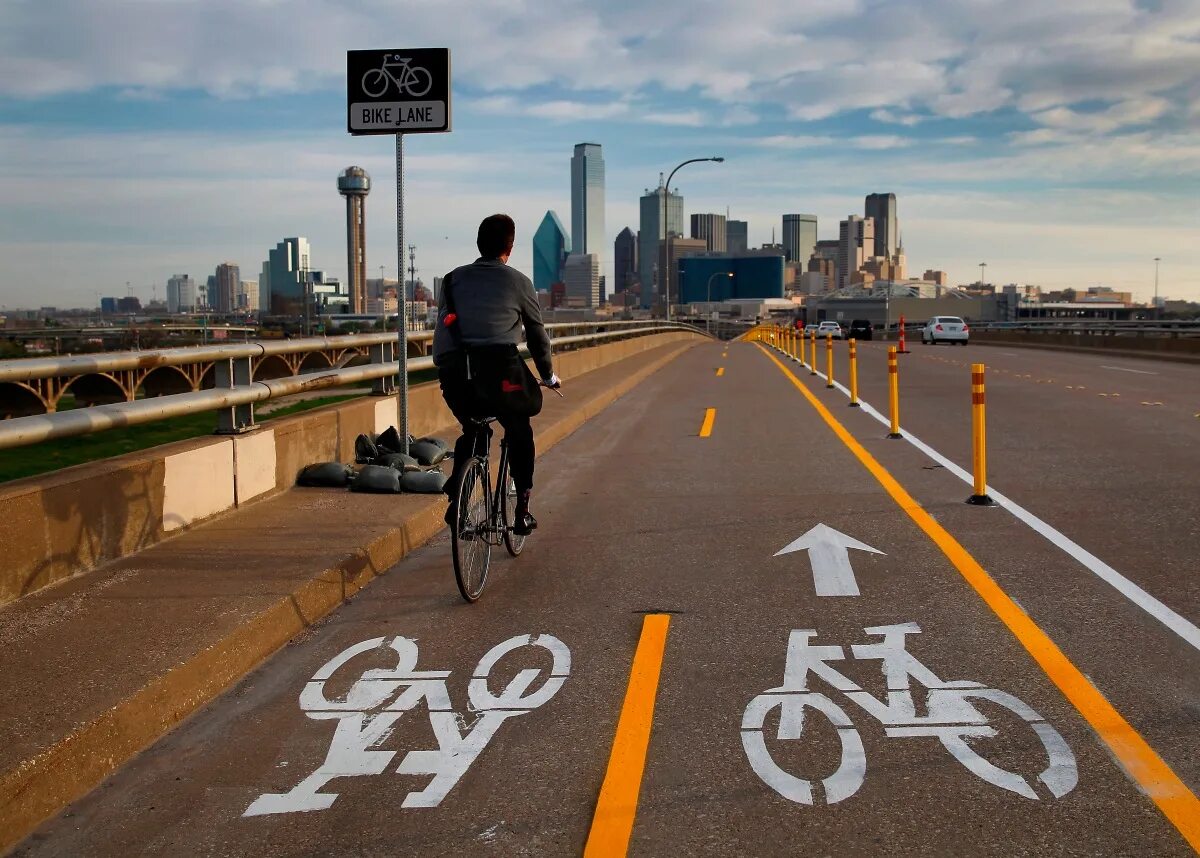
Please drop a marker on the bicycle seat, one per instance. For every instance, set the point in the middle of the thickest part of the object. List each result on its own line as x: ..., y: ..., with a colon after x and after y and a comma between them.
x: 482, y: 421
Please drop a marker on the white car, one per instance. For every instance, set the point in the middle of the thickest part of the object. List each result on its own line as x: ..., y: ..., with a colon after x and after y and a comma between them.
x: 945, y: 329
x: 829, y: 329
x: 810, y: 329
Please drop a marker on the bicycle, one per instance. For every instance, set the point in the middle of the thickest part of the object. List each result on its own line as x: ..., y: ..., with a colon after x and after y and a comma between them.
x: 484, y: 516
x: 413, y: 80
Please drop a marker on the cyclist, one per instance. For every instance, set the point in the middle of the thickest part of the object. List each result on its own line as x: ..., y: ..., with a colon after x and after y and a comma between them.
x: 490, y: 304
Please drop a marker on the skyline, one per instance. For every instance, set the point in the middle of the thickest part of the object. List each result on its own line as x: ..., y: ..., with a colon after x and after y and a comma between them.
x: 1056, y: 144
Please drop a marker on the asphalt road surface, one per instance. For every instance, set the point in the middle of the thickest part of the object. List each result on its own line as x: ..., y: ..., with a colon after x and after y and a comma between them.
x: 653, y: 677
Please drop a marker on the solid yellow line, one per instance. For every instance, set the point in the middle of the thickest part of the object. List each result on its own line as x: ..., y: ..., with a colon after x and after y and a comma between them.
x: 1136, y: 756
x: 720, y: 371
x: 706, y: 428
x: 612, y: 823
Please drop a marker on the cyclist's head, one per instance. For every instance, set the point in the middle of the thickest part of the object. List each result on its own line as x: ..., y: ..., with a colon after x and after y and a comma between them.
x: 496, y: 235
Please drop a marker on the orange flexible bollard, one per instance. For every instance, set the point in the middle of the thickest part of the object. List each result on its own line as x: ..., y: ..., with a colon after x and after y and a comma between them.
x: 829, y: 361
x: 894, y: 392
x: 812, y: 364
x: 979, y: 437
x: 854, y: 374
x: 903, y: 346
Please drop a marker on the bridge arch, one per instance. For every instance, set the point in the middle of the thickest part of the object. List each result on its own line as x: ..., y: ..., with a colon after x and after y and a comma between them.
x: 314, y: 362
x: 350, y: 357
x: 20, y: 400
x: 272, y: 366
x: 96, y: 388
x: 164, y: 381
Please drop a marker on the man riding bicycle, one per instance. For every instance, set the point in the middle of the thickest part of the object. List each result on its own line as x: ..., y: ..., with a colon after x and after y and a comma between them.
x: 482, y: 309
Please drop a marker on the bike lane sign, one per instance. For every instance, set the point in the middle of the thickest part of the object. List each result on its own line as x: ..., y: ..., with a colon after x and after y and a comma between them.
x: 398, y: 91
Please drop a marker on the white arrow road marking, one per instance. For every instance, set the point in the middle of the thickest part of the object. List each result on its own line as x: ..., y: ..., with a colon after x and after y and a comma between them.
x: 829, y: 554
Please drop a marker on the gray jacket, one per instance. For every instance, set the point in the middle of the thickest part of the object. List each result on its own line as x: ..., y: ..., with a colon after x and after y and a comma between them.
x: 493, y: 302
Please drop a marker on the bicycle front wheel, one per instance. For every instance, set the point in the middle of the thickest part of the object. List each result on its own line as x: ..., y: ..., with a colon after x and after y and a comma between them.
x: 375, y: 83
x: 470, y: 540
x: 508, y: 506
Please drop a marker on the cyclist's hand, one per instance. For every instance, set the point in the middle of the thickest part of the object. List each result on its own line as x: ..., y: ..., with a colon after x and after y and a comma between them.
x: 553, y: 382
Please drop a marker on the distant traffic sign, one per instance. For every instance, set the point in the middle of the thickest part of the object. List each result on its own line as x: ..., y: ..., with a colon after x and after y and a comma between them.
x: 405, y: 91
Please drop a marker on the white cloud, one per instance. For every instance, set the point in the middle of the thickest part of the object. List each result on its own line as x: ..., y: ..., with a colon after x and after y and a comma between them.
x: 881, y: 141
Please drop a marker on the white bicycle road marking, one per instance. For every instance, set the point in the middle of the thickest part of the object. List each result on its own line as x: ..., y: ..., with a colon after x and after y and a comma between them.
x: 367, y: 715
x: 1126, y: 369
x: 951, y: 719
x: 1148, y: 603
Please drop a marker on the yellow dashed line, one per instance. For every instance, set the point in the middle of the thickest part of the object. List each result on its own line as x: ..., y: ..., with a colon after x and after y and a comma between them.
x: 720, y: 371
x: 706, y: 427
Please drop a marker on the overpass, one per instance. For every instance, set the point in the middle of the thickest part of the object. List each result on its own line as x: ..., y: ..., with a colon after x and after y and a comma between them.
x: 750, y: 623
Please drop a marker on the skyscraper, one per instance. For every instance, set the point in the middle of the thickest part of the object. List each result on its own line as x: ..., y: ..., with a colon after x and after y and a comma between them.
x: 354, y: 184
x: 587, y: 199
x: 228, y: 278
x: 856, y: 240
x: 799, y: 237
x: 653, y: 230
x: 737, y: 236
x: 581, y: 275
x: 625, y: 260
x: 281, y: 286
x: 181, y: 294
x: 882, y: 207
x: 711, y: 228
x: 551, y: 244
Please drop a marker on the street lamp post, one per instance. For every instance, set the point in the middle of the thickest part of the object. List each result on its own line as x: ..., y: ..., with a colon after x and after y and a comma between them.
x: 982, y: 273
x: 711, y: 278
x: 1157, y: 260
x: 666, y: 281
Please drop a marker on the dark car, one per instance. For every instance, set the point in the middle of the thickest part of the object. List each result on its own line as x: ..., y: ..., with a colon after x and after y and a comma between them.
x: 861, y: 329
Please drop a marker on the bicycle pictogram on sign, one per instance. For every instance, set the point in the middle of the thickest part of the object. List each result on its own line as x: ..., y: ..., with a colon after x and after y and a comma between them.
x: 409, y: 79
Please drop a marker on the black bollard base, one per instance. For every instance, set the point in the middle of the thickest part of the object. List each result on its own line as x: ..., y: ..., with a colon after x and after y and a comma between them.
x: 855, y: 405
x: 895, y: 436
x: 980, y: 500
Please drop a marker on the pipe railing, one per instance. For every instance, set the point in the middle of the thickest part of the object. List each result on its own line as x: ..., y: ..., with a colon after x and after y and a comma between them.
x: 30, y: 369
x: 22, y: 431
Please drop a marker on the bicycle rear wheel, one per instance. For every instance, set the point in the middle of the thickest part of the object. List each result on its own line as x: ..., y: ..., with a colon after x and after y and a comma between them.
x: 472, y: 548
x: 508, y: 505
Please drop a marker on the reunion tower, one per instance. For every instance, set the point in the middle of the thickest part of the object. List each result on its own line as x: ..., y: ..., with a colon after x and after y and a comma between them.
x: 354, y: 184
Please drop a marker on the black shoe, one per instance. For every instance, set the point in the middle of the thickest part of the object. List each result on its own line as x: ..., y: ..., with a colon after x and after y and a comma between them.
x: 451, y: 514
x: 523, y: 523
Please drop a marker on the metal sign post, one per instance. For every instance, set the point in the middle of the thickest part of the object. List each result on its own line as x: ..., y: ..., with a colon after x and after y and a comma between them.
x: 404, y: 91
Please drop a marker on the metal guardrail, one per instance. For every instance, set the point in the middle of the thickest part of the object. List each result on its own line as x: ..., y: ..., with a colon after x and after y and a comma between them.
x: 237, y: 400
x: 30, y: 369
x: 1133, y: 327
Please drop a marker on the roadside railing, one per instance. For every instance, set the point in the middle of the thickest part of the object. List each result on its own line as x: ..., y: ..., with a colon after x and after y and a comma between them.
x: 1135, y: 328
x: 235, y: 394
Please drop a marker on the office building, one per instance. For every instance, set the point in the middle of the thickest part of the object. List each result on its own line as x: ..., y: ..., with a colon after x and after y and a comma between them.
x: 282, y: 284
x: 222, y: 297
x: 661, y: 213
x: 856, y: 243
x: 755, y: 276
x: 737, y: 236
x: 679, y: 248
x: 581, y: 279
x: 625, y: 260
x: 108, y: 305
x: 247, y: 296
x: 587, y: 200
x: 799, y: 237
x: 551, y: 244
x: 354, y: 184
x: 181, y: 294
x: 711, y: 228
x: 941, y: 278
x: 882, y: 208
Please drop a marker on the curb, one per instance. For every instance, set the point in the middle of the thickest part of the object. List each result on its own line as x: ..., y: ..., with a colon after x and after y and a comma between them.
x: 41, y: 786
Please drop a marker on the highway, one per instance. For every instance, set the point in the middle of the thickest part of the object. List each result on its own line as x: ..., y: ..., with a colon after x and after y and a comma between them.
x: 750, y: 624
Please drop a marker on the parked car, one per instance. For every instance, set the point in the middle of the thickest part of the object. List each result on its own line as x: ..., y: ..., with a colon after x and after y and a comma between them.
x: 810, y: 329
x: 829, y: 329
x: 945, y: 329
x: 861, y: 329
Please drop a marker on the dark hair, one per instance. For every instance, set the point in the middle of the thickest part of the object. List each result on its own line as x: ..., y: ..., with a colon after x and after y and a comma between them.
x: 496, y: 235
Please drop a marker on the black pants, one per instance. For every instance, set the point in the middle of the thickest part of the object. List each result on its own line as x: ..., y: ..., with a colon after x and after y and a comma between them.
x: 459, y: 396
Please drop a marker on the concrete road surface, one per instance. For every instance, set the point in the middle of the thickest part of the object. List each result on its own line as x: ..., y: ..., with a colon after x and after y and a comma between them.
x: 653, y: 676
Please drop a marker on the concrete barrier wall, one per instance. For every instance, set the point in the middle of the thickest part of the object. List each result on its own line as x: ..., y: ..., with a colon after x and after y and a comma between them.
x: 56, y: 525
x: 1167, y: 348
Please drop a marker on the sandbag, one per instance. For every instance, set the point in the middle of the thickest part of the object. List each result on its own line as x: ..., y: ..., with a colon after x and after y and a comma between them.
x: 399, y: 461
x: 426, y: 452
x: 423, y: 482
x: 325, y: 474
x: 365, y: 450
x: 436, y: 441
x: 377, y: 479
x: 389, y: 441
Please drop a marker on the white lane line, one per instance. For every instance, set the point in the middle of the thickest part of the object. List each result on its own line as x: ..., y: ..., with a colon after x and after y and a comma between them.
x: 1152, y: 606
x: 1126, y: 369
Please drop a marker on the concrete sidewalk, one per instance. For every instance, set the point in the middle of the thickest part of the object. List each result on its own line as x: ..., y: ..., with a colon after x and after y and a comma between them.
x: 99, y: 667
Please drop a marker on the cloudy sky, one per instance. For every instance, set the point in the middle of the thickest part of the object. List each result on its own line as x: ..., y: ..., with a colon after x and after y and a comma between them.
x: 1056, y: 141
